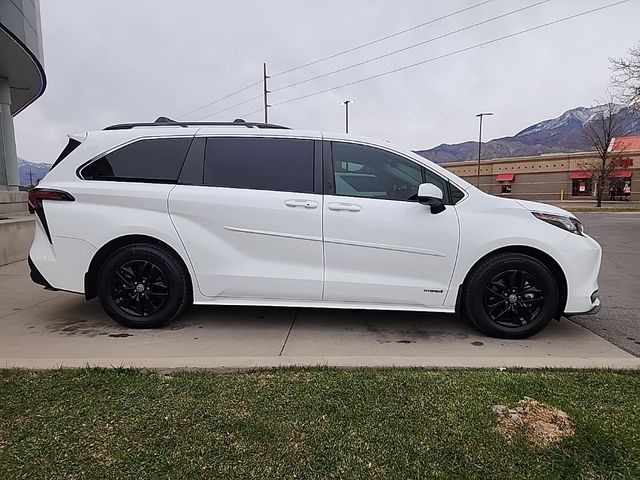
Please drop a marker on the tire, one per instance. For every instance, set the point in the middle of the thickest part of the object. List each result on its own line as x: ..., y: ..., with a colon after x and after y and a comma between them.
x: 143, y: 286
x: 510, y: 295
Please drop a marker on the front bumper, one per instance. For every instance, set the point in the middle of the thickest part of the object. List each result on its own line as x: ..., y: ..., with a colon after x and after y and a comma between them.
x: 596, y: 308
x: 580, y: 258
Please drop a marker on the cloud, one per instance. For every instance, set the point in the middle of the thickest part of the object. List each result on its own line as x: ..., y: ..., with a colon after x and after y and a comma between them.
x: 119, y: 61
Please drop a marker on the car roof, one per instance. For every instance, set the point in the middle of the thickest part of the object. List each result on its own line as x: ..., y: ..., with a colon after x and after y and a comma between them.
x: 132, y: 131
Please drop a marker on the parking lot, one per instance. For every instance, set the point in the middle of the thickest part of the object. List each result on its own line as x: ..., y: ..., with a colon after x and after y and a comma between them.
x: 619, y: 319
x: 42, y: 329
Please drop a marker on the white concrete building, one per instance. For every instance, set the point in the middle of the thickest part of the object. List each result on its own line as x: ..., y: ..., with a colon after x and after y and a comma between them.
x: 22, y: 81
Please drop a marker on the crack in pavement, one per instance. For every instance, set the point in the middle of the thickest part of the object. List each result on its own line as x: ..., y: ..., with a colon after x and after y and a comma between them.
x: 293, y: 320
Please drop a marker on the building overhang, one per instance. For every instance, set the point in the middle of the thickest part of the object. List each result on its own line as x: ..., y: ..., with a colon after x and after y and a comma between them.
x: 581, y: 175
x: 626, y: 173
x: 23, y: 70
x: 505, y: 177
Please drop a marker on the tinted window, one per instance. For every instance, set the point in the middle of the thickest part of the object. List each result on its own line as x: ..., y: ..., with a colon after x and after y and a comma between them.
x: 279, y: 164
x: 439, y: 182
x: 191, y: 173
x: 456, y: 194
x: 363, y: 171
x: 152, y: 160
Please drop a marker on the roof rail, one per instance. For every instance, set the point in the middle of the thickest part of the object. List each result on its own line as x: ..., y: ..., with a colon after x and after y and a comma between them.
x: 165, y: 121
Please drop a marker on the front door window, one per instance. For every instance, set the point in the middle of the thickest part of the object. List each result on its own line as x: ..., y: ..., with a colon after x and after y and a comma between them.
x: 363, y: 171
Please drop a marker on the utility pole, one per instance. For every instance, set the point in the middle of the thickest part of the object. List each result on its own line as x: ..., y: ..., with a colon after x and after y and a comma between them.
x: 265, y: 92
x: 480, y: 144
x: 30, y: 176
x: 346, y: 114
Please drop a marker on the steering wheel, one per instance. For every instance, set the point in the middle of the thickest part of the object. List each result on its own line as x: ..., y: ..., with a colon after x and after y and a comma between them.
x: 399, y: 193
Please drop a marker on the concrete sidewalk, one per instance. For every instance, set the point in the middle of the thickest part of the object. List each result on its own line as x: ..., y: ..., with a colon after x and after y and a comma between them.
x: 43, y: 329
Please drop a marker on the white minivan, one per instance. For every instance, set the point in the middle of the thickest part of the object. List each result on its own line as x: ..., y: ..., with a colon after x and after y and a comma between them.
x: 152, y: 217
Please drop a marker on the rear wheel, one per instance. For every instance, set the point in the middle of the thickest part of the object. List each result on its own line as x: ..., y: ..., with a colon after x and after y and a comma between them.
x: 511, y: 295
x: 143, y: 286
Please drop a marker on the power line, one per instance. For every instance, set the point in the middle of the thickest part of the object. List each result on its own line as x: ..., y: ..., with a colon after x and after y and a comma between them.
x: 389, y: 72
x: 358, y: 47
x: 373, y: 42
x: 232, y: 106
x: 250, y: 113
x: 414, y: 45
x: 220, y: 99
x: 381, y: 56
x: 439, y: 57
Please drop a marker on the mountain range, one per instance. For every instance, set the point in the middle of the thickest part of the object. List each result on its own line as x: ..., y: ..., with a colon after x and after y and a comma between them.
x: 563, y: 134
x: 31, y: 173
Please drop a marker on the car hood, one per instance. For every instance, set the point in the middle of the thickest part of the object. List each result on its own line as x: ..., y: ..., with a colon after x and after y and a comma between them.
x: 544, y: 208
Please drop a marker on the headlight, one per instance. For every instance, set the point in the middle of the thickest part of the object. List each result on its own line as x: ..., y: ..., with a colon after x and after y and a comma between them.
x: 569, y: 224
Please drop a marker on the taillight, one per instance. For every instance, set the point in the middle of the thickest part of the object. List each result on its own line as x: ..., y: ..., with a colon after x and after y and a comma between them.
x: 37, y: 195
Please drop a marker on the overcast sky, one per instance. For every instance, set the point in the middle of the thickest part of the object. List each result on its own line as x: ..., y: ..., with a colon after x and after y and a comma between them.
x: 133, y: 60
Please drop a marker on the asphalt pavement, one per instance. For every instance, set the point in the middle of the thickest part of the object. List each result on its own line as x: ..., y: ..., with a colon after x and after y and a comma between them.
x: 619, y: 319
x: 43, y: 329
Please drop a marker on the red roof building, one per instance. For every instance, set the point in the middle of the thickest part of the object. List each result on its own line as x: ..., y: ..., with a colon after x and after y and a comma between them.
x: 558, y: 176
x: 624, y: 144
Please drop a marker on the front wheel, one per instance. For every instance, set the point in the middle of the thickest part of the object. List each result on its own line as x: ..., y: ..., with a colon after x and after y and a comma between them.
x: 510, y: 295
x: 143, y: 286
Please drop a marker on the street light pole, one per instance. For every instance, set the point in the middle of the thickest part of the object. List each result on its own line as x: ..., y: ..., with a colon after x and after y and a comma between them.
x: 480, y: 144
x: 346, y: 115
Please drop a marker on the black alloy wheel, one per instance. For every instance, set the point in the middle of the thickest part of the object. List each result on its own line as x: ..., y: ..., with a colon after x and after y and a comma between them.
x: 144, y: 285
x: 512, y: 299
x: 139, y: 288
x: 510, y: 295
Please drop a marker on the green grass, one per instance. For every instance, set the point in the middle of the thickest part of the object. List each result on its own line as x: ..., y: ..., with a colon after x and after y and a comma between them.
x: 310, y: 423
x: 601, y: 209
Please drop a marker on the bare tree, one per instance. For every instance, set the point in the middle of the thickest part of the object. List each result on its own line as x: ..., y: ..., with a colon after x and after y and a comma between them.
x: 626, y: 77
x: 600, y: 132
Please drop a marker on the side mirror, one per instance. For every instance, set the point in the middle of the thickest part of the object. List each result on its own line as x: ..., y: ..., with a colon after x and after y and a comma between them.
x: 429, y: 194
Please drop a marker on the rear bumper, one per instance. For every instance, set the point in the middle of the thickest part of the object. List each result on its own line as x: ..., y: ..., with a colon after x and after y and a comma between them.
x: 61, y: 263
x: 36, y: 276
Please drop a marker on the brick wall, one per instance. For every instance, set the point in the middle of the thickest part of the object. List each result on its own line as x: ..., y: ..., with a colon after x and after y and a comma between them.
x: 546, y: 177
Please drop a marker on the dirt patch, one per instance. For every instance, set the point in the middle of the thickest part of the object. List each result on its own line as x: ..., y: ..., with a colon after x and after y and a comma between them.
x: 541, y: 424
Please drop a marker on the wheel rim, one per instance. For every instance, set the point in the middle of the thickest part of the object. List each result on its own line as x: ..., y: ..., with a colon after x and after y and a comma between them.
x: 512, y: 298
x: 139, y: 288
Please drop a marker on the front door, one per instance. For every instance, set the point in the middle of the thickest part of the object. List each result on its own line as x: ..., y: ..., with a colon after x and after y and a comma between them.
x: 251, y: 223
x: 381, y: 245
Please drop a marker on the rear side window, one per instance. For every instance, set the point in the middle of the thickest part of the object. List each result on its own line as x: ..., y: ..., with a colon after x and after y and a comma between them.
x: 153, y: 160
x: 277, y: 164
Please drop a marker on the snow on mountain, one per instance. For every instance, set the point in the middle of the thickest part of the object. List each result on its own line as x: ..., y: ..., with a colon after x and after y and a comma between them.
x: 563, y: 134
x: 580, y: 115
x: 31, y: 173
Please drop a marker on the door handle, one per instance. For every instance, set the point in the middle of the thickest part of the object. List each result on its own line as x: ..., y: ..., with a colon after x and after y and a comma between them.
x: 347, y: 207
x: 301, y: 203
